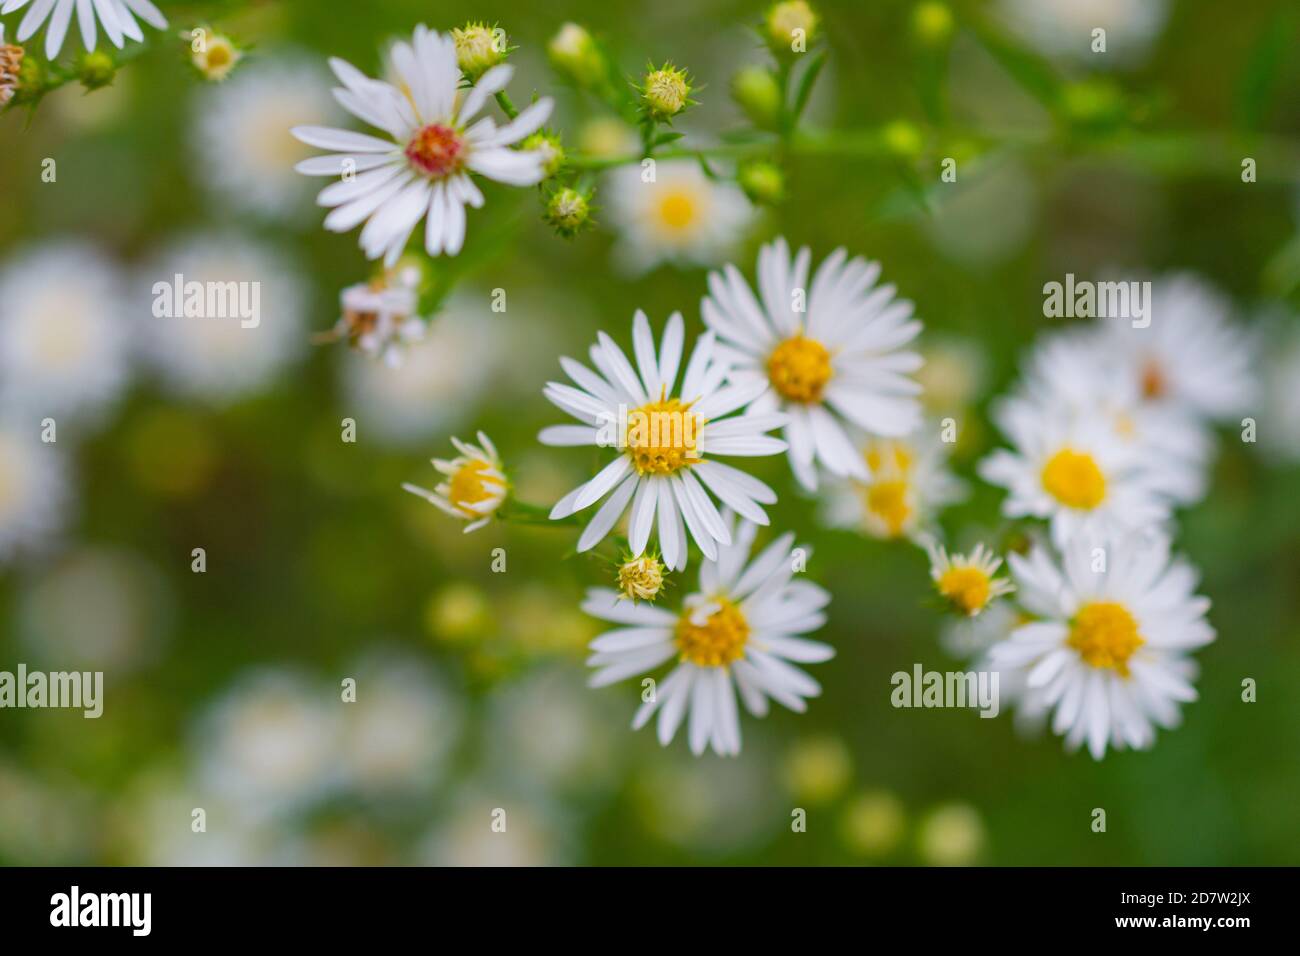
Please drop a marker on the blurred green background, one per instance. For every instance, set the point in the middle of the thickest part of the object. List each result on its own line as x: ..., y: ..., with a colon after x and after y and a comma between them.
x: 320, y: 568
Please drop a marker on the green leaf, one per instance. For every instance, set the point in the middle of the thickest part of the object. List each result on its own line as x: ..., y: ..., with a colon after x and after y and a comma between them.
x: 806, y: 86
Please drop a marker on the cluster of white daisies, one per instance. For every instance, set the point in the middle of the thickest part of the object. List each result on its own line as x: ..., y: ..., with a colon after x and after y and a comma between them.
x: 1110, y: 428
x: 817, y: 357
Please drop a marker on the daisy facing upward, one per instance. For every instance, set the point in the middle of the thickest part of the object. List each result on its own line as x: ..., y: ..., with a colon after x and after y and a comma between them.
x: 739, y: 633
x: 666, y: 440
x: 831, y: 353
x: 421, y: 170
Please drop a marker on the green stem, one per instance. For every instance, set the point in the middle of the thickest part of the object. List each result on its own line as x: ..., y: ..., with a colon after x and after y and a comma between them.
x: 507, y: 107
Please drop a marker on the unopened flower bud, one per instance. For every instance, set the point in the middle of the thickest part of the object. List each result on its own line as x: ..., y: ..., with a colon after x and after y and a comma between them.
x: 932, y: 23
x: 548, y: 144
x: 665, y: 92
x: 574, y: 53
x: 763, y: 182
x: 479, y: 48
x: 755, y: 91
x: 96, y: 71
x: 569, y: 211
x: 790, y: 27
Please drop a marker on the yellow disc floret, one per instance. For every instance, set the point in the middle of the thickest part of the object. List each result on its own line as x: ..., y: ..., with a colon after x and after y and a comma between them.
x: 799, y: 369
x: 468, y: 487
x: 718, y: 641
x: 1074, y: 479
x: 967, y: 589
x: 1105, y: 634
x: 661, y: 437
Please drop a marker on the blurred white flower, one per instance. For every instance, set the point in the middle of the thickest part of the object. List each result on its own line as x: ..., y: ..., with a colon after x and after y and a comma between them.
x: 154, y: 824
x: 740, y: 633
x: 1065, y: 27
x: 65, y: 341
x: 1191, y: 358
x: 1074, y: 471
x: 422, y: 170
x: 241, y: 136
x: 1279, y: 431
x: 398, y: 733
x: 34, y: 493
x: 666, y: 441
x: 548, y: 733
x: 831, y: 351
x: 682, y: 217
x: 270, y: 744
x: 117, y: 17
x: 493, y: 826
x: 908, y: 483
x: 220, y: 359
x: 1109, y: 648
x: 97, y: 609
x: 379, y: 316
x: 440, y: 380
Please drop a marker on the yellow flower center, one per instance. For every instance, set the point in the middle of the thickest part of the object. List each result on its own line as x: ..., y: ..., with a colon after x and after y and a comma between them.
x: 1105, y: 635
x: 661, y: 437
x: 887, y: 456
x: 966, y: 588
x: 677, y: 211
x: 1073, y: 479
x: 799, y: 369
x: 718, y: 641
x: 890, y: 502
x: 469, y: 486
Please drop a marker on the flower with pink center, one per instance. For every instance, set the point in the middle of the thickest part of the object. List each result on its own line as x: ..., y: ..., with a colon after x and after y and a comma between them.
x: 423, y: 167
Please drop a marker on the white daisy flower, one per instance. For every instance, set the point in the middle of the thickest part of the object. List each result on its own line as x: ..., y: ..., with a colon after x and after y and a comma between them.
x: 1079, y: 370
x: 379, y: 316
x: 1191, y: 358
x: 667, y: 440
x: 967, y: 582
x: 241, y: 140
x: 422, y: 170
x: 908, y: 483
x: 33, y: 489
x: 971, y: 638
x: 1073, y: 471
x: 1117, y: 618
x: 681, y: 216
x: 64, y: 347
x: 476, y: 484
x: 118, y: 18
x: 830, y: 351
x: 737, y: 634
x: 214, y: 358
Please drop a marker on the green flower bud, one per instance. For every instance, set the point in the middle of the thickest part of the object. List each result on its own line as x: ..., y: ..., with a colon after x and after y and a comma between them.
x: 763, y: 182
x: 756, y: 91
x: 574, y: 53
x: 665, y: 92
x: 479, y: 48
x: 548, y: 144
x: 96, y: 71
x: 569, y: 211
x: 1096, y: 104
x: 790, y: 27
